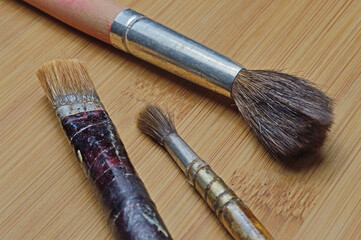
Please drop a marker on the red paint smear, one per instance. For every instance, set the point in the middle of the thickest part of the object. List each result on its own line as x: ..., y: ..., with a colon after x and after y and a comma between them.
x: 77, y: 3
x: 67, y: 2
x: 110, y: 26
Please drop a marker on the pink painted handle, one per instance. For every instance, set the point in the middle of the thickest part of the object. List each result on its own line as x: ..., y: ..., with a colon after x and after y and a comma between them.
x: 92, y: 17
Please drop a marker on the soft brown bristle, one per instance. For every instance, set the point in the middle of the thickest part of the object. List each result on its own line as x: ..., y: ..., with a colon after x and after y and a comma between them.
x: 288, y: 114
x: 153, y: 122
x: 66, y: 81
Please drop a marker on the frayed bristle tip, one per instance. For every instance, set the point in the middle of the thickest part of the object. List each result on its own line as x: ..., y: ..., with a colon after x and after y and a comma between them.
x: 155, y: 123
x: 287, y: 114
x: 66, y: 81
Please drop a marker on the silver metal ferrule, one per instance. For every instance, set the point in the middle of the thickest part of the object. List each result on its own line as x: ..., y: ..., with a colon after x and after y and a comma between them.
x: 68, y: 110
x: 142, y: 37
x: 180, y: 151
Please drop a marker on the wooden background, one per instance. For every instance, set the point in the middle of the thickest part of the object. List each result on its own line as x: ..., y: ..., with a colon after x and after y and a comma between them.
x: 45, y: 195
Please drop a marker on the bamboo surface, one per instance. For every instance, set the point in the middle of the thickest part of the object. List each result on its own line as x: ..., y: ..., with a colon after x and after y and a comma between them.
x: 43, y: 191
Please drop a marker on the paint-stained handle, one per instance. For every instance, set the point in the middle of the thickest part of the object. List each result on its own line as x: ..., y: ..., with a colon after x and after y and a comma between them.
x: 92, y: 17
x: 232, y: 212
x: 127, y: 205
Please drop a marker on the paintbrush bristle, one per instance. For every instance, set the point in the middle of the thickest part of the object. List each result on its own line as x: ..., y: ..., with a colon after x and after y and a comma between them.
x: 155, y: 123
x: 288, y: 114
x: 66, y: 81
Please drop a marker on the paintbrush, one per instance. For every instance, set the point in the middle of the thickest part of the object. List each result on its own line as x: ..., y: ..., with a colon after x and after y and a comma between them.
x: 288, y: 114
x: 231, y: 210
x: 130, y: 212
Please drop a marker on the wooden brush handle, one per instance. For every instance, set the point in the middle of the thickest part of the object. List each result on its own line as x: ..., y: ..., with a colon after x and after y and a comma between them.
x: 130, y: 212
x: 92, y: 17
x: 238, y: 219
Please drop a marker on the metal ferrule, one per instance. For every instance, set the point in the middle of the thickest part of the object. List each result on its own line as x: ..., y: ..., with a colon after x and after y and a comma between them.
x: 180, y: 151
x: 142, y: 37
x: 68, y: 110
x: 231, y: 210
x: 199, y: 174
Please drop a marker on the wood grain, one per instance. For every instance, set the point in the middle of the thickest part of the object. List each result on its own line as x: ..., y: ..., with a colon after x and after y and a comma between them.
x: 43, y: 192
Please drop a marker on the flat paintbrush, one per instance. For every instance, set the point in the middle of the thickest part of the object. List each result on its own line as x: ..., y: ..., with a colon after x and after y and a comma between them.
x: 130, y: 212
x: 231, y: 211
x: 288, y: 114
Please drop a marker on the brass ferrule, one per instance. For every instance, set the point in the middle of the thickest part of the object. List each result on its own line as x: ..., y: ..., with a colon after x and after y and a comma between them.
x: 237, y: 218
x: 212, y: 188
x: 142, y: 37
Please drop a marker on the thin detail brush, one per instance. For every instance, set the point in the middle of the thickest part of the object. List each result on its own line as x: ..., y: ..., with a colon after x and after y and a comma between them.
x: 288, y: 114
x: 231, y: 210
x: 130, y: 212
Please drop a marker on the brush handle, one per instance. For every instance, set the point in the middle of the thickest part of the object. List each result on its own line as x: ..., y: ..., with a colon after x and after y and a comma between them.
x: 92, y: 17
x: 238, y: 219
x: 130, y: 212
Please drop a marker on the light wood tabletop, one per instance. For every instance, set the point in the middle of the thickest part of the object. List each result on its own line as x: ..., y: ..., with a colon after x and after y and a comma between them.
x: 45, y: 195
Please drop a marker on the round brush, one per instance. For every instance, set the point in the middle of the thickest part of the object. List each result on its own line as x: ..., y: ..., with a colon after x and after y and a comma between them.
x: 231, y: 210
x: 288, y: 114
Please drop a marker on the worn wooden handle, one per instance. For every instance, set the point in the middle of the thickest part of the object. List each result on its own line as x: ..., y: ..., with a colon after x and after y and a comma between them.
x: 92, y: 17
x: 237, y: 218
x: 127, y: 205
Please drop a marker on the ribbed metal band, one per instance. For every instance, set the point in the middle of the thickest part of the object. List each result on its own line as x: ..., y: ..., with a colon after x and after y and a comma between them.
x: 142, y: 37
